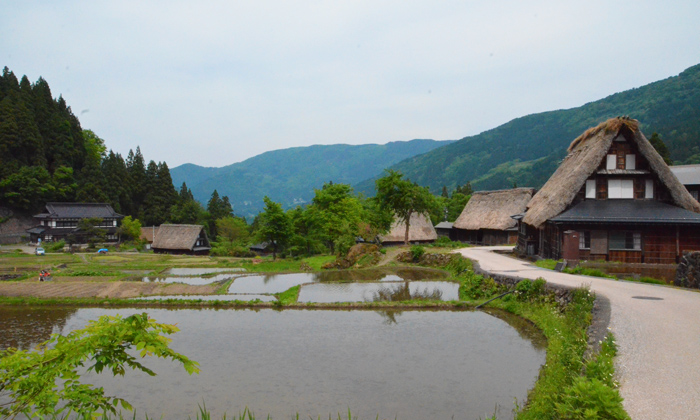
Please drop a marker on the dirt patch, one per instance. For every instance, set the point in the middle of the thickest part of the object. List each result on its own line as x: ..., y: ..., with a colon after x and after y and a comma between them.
x: 116, y: 289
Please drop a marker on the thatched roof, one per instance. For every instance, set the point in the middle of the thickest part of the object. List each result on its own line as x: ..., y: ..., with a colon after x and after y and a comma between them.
x: 149, y: 233
x: 177, y: 237
x: 493, y: 209
x: 420, y: 229
x: 585, y: 155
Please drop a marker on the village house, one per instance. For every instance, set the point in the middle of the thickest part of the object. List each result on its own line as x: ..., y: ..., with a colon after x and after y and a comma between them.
x: 613, y: 198
x: 487, y: 217
x: 181, y: 239
x: 60, y: 222
x: 689, y: 176
x: 421, y: 230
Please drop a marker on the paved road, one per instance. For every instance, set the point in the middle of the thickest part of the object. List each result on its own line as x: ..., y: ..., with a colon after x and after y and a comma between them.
x: 657, y: 329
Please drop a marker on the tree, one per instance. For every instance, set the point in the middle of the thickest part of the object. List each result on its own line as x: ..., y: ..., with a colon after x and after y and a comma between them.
x: 403, y: 197
x: 274, y: 227
x: 660, y: 147
x: 232, y: 229
x: 130, y: 228
x: 335, y: 214
x: 89, y: 229
x: 45, y: 382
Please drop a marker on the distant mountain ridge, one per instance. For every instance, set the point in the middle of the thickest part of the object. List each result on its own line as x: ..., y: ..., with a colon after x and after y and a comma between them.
x: 290, y: 175
x: 527, y: 150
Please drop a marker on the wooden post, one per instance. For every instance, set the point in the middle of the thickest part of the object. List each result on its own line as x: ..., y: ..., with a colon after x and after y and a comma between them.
x: 678, y: 245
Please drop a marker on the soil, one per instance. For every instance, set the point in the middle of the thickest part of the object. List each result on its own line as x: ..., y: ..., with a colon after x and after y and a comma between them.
x: 85, y: 287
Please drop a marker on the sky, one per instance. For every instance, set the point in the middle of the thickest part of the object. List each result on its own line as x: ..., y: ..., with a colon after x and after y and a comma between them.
x: 216, y: 82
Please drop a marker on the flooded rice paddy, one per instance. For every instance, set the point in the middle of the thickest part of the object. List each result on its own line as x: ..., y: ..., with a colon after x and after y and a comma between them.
x: 194, y: 281
x: 392, y: 364
x: 373, y: 292
x: 200, y: 271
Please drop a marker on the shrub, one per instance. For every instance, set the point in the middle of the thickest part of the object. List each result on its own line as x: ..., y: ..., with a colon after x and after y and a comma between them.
x: 590, y: 399
x: 417, y: 251
x: 55, y: 246
x: 476, y: 287
x: 531, y: 291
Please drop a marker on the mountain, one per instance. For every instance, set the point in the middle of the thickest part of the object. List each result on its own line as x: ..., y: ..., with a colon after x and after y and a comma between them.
x: 527, y: 150
x: 290, y: 175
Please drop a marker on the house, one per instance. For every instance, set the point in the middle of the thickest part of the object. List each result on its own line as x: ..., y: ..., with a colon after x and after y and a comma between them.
x: 60, y: 222
x: 612, y: 198
x: 486, y: 218
x: 421, y: 230
x: 148, y: 234
x: 689, y: 176
x: 181, y: 239
x: 444, y: 228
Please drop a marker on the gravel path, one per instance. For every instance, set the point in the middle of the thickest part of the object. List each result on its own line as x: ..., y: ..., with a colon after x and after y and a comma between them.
x: 657, y: 329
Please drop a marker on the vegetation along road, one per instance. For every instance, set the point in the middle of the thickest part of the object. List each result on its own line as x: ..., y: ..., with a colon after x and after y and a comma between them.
x: 656, y: 329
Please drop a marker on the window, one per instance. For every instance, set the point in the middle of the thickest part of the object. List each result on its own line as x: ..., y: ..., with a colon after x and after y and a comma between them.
x: 590, y: 188
x: 630, y: 162
x: 611, y: 163
x: 649, y: 189
x: 626, y: 241
x: 620, y: 188
x: 584, y: 240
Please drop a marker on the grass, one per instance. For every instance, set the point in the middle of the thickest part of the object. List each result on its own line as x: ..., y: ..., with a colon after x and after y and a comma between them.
x: 288, y: 296
x: 594, y: 272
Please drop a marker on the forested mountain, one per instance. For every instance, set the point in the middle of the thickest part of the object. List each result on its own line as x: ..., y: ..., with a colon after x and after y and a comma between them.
x: 527, y: 150
x: 46, y: 156
x: 289, y: 176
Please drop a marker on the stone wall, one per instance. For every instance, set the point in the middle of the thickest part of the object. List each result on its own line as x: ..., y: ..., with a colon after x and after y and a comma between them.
x: 688, y: 272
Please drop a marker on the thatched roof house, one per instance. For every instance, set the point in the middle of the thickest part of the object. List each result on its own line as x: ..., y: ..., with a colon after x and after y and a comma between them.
x: 420, y: 230
x: 181, y: 239
x: 615, y: 195
x: 486, y: 219
x: 149, y: 233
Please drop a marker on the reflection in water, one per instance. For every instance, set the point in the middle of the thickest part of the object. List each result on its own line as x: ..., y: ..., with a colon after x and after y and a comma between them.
x: 389, y: 316
x: 195, y: 281
x: 243, y: 298
x: 368, y: 292
x: 23, y: 328
x: 277, y: 283
x: 421, y: 365
x: 200, y: 271
x: 403, y: 292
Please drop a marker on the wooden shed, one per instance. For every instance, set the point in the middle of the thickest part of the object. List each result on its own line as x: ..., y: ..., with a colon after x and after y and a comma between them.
x: 421, y: 230
x: 486, y: 219
x: 181, y: 239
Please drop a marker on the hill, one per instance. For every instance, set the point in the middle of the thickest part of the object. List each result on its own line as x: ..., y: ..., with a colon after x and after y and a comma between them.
x: 290, y: 175
x: 527, y: 150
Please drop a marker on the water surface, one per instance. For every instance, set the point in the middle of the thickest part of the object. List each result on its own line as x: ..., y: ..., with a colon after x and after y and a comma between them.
x: 243, y: 298
x: 406, y: 365
x: 200, y: 271
x: 195, y: 281
x: 372, y: 292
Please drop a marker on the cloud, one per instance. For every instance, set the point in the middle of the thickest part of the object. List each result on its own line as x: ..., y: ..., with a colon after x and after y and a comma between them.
x: 217, y: 82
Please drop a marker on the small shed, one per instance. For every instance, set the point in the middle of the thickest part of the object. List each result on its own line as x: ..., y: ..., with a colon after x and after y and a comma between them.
x: 149, y: 233
x: 181, y: 239
x: 444, y: 229
x: 486, y: 219
x: 421, y: 230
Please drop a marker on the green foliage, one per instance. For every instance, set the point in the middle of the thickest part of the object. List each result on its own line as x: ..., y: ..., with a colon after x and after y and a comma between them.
x: 593, y: 272
x: 661, y: 148
x: 476, y: 287
x: 531, y: 291
x: 403, y: 198
x: 130, y: 228
x: 417, y: 251
x: 46, y: 383
x: 54, y: 246
x: 590, y: 399
x: 90, y: 231
x: 446, y: 242
x: 288, y: 296
x: 233, y: 230
x: 275, y: 226
x: 230, y: 249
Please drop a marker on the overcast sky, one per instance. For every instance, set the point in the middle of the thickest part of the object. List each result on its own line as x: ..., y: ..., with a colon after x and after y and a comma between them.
x: 217, y: 82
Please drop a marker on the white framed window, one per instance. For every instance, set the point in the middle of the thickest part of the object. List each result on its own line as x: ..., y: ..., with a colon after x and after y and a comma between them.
x: 649, y: 188
x: 630, y: 161
x: 611, y: 163
x: 584, y: 240
x: 620, y: 188
x: 590, y: 188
